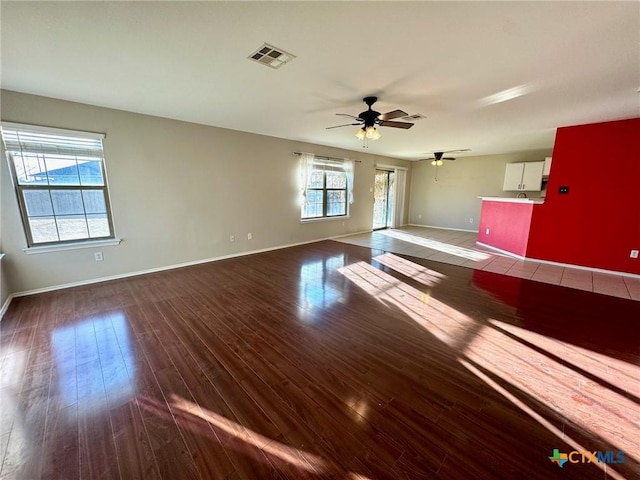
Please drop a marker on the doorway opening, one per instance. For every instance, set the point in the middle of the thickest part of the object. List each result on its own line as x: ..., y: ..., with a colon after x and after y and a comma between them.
x: 383, y: 199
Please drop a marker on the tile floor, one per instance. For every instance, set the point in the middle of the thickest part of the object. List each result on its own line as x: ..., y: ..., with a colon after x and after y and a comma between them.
x: 459, y: 248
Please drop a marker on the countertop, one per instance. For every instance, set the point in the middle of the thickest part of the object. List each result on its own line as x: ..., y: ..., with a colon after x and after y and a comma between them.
x: 536, y: 201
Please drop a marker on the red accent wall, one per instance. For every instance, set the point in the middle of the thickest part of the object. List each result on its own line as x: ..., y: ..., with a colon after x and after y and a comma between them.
x: 508, y: 225
x: 597, y: 223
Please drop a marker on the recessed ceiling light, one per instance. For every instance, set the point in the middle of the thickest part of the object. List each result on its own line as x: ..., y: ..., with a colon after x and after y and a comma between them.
x: 270, y: 56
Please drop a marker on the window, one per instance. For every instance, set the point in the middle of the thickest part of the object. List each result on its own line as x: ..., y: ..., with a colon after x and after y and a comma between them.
x: 60, y: 182
x: 326, y: 187
x: 326, y: 194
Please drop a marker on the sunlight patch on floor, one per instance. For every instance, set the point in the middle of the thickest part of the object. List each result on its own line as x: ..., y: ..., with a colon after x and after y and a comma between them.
x: 456, y: 250
x: 545, y: 369
x: 576, y: 383
x: 12, y: 418
x: 444, y: 322
x: 268, y: 445
x: 274, y: 450
x: 416, y: 272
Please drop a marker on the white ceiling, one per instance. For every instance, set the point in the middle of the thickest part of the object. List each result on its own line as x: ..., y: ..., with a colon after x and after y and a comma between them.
x: 578, y: 61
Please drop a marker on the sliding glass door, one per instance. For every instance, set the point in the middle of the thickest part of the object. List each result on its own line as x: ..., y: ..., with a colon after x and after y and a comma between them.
x: 383, y: 194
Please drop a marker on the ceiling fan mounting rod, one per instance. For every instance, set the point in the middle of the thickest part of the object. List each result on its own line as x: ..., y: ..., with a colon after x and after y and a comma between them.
x: 370, y: 100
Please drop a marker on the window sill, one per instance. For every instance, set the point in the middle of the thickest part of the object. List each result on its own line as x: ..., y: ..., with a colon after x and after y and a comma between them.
x: 323, y: 219
x: 71, y: 246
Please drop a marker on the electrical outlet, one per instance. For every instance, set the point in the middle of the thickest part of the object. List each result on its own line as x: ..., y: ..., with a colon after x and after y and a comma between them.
x: 634, y: 254
x: 486, y: 232
x: 419, y: 216
x: 232, y: 238
x: 249, y: 236
x: 471, y: 220
x: 98, y: 256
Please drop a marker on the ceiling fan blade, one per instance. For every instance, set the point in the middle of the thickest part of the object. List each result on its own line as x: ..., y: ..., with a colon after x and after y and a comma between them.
x: 392, y: 115
x: 387, y: 123
x: 459, y: 150
x: 345, y: 125
x: 441, y: 152
x: 347, y: 115
x: 434, y: 158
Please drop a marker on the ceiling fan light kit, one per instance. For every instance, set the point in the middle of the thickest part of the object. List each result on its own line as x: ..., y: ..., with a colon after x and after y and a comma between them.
x: 369, y: 119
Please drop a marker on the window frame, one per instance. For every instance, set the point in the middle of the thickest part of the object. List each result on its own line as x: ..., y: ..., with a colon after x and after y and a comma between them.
x: 321, y: 167
x: 20, y: 189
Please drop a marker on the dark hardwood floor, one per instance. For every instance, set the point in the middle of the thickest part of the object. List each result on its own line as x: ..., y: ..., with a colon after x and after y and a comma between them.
x: 321, y: 361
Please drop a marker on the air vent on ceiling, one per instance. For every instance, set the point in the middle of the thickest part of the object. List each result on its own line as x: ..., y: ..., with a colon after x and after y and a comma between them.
x: 413, y: 118
x: 271, y: 56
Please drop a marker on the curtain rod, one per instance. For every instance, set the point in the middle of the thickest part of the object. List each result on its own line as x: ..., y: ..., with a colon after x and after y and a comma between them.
x: 324, y: 158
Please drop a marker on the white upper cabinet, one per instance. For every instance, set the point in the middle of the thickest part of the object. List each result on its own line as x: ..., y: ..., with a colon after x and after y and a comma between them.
x: 513, y: 176
x: 523, y: 176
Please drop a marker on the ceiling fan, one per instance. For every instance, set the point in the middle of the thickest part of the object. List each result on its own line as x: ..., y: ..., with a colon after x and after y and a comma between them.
x: 370, y: 118
x: 438, y: 157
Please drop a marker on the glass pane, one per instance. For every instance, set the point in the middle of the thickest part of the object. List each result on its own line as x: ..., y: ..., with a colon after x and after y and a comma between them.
x: 30, y: 169
x: 336, y: 209
x: 315, y: 210
x: 67, y: 202
x: 336, y: 196
x: 380, y: 197
x: 336, y: 202
x: 43, y: 229
x: 336, y: 180
x: 72, y: 227
x: 98, y: 225
x: 94, y: 201
x: 312, y: 210
x: 314, y: 196
x: 316, y: 179
x: 62, y: 171
x: 38, y: 203
x: 90, y: 173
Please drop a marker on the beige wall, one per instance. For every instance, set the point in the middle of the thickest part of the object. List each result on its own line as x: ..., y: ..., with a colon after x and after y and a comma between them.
x: 452, y: 201
x: 4, y: 286
x: 178, y: 190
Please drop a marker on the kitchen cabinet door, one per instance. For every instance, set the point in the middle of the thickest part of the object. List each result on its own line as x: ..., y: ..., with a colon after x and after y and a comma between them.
x: 532, y: 176
x: 513, y: 176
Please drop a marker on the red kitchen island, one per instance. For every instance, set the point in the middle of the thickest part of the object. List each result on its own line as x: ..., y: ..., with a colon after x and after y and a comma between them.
x: 505, y: 223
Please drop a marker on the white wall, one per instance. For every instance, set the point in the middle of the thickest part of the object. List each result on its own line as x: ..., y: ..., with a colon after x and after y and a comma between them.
x: 178, y: 190
x: 452, y: 201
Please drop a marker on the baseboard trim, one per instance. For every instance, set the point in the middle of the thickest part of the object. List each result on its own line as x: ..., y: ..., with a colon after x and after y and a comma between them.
x: 349, y: 234
x: 166, y: 267
x: 5, y: 306
x: 560, y: 264
x: 442, y: 228
x: 503, y: 252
